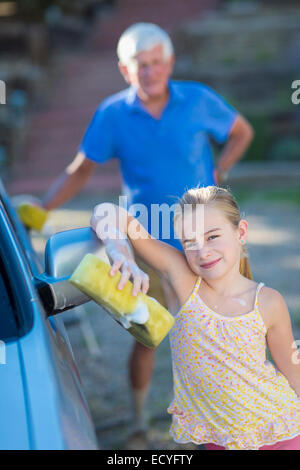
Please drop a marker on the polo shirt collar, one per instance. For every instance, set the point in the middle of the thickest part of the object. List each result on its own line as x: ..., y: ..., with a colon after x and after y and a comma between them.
x: 175, y: 94
x: 134, y: 102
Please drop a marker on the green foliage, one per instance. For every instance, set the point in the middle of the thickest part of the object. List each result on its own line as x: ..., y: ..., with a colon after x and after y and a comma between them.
x: 259, y: 147
x: 283, y: 96
x: 33, y: 10
x: 285, y: 148
x: 296, y: 318
x: 289, y: 194
x: 263, y: 55
x: 230, y: 60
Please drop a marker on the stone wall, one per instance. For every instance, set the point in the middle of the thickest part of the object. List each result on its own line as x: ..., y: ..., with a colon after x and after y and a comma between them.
x: 249, y: 53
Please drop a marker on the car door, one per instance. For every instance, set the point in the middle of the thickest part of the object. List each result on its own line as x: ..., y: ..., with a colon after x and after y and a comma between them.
x: 40, y: 386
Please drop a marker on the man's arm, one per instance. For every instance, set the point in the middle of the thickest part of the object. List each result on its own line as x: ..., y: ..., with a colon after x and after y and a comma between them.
x: 70, y: 182
x: 239, y: 140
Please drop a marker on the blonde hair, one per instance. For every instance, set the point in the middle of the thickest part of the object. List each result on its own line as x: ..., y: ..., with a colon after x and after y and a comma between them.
x: 223, y: 200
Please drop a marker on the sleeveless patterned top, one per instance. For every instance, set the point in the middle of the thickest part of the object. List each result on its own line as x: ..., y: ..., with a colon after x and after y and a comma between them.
x: 225, y: 391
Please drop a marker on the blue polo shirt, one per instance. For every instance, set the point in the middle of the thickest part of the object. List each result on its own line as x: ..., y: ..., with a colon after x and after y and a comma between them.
x: 160, y: 158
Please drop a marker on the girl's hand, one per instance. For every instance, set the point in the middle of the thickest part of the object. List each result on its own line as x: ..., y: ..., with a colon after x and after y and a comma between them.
x: 129, y: 269
x: 119, y: 255
x: 113, y: 224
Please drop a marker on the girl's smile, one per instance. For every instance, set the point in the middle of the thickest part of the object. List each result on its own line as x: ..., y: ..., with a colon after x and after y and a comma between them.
x: 210, y: 265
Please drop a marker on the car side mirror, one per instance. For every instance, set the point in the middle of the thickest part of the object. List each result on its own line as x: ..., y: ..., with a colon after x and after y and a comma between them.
x: 63, y: 253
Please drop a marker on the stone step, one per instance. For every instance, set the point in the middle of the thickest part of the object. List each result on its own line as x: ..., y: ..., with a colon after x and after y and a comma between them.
x: 129, y: 12
x: 265, y: 171
x: 256, y: 39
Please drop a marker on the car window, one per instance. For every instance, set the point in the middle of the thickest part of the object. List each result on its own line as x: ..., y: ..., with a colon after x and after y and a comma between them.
x: 21, y: 233
x: 8, y: 317
x: 16, y: 312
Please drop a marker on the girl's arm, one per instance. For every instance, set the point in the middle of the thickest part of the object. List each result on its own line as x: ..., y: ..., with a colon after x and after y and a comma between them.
x: 280, y: 339
x: 113, y: 225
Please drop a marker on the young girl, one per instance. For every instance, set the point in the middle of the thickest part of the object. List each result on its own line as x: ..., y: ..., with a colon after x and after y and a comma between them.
x: 226, y: 394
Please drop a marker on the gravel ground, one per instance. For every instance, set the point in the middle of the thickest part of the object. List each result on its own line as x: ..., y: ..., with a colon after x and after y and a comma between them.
x: 274, y: 249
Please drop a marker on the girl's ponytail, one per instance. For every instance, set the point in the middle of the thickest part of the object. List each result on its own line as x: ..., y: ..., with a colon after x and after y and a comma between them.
x: 244, y: 264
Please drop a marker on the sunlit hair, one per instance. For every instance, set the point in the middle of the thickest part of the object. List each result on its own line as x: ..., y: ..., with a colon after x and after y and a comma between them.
x: 142, y: 37
x: 223, y: 200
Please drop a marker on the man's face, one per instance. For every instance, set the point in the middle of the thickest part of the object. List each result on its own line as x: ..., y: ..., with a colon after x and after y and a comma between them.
x: 149, y: 71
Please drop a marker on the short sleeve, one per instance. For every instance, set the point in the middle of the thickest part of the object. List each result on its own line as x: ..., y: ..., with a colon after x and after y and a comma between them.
x: 219, y: 115
x: 98, y: 140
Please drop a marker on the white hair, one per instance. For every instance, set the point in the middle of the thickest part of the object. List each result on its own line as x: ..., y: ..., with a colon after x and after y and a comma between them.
x: 142, y: 37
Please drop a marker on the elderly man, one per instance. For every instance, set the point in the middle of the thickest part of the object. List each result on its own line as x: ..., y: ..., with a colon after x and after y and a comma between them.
x: 159, y: 130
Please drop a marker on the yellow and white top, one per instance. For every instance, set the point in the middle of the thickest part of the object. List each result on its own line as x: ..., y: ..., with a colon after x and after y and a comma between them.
x: 225, y: 391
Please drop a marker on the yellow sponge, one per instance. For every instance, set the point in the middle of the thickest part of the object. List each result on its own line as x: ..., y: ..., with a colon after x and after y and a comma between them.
x: 32, y: 216
x: 147, y: 320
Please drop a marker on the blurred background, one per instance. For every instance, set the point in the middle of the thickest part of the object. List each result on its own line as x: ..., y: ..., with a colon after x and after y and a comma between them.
x: 58, y: 61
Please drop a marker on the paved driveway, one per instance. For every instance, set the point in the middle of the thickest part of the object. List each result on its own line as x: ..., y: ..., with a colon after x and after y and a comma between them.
x: 274, y: 248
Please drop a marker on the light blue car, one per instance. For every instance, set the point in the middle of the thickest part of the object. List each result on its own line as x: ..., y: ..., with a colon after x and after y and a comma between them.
x: 42, y: 405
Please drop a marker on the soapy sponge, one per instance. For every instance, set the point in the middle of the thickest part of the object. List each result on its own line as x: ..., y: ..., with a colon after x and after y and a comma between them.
x: 142, y: 316
x: 32, y: 216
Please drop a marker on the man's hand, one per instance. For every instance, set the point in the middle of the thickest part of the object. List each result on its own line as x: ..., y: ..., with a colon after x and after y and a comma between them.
x: 30, y: 211
x: 25, y: 199
x: 239, y: 140
x: 220, y: 176
x: 217, y: 177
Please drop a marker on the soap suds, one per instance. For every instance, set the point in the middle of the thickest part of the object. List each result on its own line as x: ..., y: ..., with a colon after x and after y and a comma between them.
x: 139, y: 316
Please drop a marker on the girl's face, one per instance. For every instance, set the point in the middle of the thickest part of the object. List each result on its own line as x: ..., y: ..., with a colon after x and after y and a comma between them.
x: 213, y: 248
